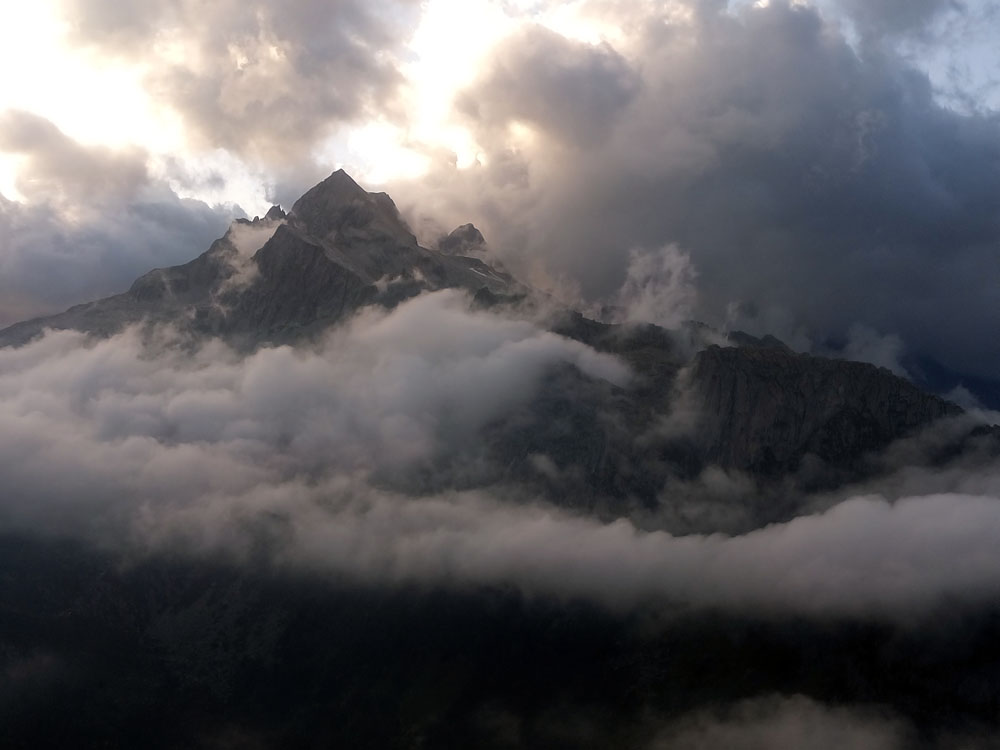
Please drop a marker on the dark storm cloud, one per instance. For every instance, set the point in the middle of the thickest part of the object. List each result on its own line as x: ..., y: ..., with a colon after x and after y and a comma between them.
x: 264, y: 79
x: 94, y: 219
x: 132, y: 443
x: 813, y: 187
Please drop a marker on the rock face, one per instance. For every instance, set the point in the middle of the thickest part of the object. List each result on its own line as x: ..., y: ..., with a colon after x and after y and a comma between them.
x: 462, y: 241
x: 763, y: 409
x: 279, y: 278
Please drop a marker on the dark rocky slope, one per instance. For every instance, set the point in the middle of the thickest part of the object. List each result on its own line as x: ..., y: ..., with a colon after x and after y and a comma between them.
x: 764, y: 409
x: 171, y: 654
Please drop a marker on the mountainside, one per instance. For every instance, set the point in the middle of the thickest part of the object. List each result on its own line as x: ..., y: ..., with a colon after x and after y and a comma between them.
x: 751, y: 406
x: 174, y: 655
x: 765, y: 408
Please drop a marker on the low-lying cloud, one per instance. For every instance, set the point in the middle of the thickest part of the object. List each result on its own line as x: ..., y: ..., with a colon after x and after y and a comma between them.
x: 290, y: 455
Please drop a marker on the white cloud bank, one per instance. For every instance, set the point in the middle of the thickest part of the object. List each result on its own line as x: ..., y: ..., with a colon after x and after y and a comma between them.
x: 140, y: 445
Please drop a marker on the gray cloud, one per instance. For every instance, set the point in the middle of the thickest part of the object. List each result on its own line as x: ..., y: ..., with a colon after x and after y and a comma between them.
x: 659, y: 287
x: 292, y: 454
x: 387, y: 394
x: 879, y: 17
x: 574, y: 91
x: 61, y: 172
x: 94, y: 219
x: 827, y: 188
x: 264, y: 79
x: 787, y: 722
x: 783, y: 723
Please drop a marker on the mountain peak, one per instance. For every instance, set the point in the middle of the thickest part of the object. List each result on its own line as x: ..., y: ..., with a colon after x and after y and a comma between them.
x: 339, y: 207
x: 337, y: 189
x: 462, y: 241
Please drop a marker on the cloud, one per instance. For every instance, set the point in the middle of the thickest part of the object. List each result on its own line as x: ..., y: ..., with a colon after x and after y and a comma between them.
x: 93, y: 220
x: 659, y: 288
x: 881, y: 17
x: 822, y: 185
x: 318, y: 459
x: 64, y: 173
x: 387, y: 394
x: 574, y: 91
x: 264, y: 79
x: 867, y: 345
x: 783, y: 723
x: 864, y: 558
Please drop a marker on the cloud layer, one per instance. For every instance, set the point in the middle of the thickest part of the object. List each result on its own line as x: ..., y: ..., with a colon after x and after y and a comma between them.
x: 291, y: 456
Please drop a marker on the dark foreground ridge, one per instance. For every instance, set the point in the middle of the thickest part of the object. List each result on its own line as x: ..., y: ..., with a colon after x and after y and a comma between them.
x: 169, y: 654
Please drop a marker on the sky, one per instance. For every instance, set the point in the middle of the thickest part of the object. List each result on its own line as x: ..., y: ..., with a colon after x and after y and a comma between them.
x: 826, y: 171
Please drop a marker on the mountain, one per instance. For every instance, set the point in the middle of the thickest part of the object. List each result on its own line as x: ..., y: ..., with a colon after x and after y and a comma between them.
x: 750, y: 406
x: 285, y: 277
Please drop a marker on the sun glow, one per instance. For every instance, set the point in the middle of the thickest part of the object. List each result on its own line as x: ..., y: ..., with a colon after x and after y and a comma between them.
x: 449, y: 48
x: 105, y: 101
x: 92, y: 100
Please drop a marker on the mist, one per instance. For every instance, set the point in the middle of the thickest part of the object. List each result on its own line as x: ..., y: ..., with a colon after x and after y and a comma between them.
x: 312, y: 460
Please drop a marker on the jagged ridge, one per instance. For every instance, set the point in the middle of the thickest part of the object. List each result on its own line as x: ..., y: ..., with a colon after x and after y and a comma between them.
x: 338, y: 249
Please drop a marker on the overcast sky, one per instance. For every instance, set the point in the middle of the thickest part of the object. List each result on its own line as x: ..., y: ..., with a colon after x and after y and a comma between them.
x: 828, y: 171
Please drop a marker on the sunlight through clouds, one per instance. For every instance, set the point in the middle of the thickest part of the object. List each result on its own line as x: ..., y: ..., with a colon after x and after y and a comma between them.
x: 92, y: 98
x: 450, y: 45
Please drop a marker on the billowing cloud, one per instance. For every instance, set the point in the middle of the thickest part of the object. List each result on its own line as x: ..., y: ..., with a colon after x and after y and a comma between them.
x: 573, y: 90
x: 784, y: 722
x: 264, y: 79
x: 318, y: 459
x: 93, y: 220
x: 659, y: 288
x: 387, y: 394
x: 807, y: 180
